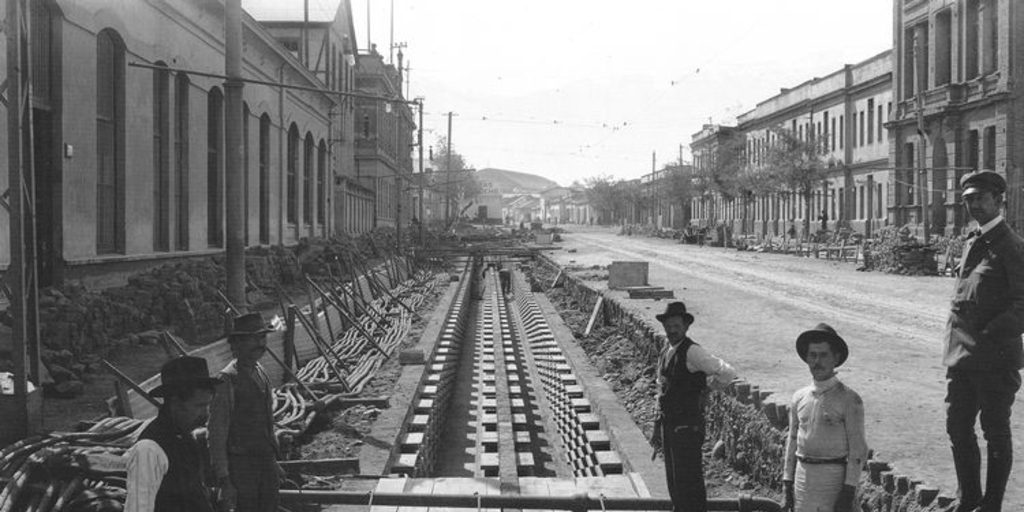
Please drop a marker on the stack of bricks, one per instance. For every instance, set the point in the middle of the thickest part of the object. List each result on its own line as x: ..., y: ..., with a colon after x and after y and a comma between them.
x: 418, y: 443
x: 587, y: 446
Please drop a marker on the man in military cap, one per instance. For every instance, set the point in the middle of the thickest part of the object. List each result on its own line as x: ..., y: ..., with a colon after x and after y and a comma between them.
x: 243, y: 447
x: 683, y: 371
x: 826, y: 446
x: 165, y: 466
x: 983, y: 349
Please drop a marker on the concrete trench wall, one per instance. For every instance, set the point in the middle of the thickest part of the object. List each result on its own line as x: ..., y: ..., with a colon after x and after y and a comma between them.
x: 753, y: 428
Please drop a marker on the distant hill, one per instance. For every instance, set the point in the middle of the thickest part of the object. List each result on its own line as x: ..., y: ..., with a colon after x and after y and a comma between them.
x: 513, y: 182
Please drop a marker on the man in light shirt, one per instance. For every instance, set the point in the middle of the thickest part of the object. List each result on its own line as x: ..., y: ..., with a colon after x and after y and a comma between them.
x: 683, y: 371
x: 826, y: 446
x: 165, y: 466
x: 983, y: 351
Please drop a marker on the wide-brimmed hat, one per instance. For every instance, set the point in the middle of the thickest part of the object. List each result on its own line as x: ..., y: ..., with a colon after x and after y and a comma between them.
x: 184, y: 371
x: 822, y: 332
x: 982, y: 181
x: 675, y: 309
x: 249, y: 324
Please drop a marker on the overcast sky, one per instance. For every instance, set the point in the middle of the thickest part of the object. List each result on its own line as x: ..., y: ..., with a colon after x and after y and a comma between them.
x: 570, y: 89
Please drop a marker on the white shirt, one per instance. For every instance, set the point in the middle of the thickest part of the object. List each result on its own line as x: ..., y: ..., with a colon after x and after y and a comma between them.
x: 700, y: 360
x: 147, y: 465
x: 991, y: 224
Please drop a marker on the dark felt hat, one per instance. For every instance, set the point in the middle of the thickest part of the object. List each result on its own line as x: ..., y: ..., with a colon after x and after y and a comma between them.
x: 981, y: 181
x: 675, y: 309
x: 822, y: 332
x: 249, y: 324
x: 184, y: 371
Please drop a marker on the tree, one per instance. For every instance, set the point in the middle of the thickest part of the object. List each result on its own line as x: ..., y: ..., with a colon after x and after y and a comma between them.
x: 722, y: 176
x: 797, y: 165
x: 453, y: 178
x: 605, y: 194
x: 679, y: 186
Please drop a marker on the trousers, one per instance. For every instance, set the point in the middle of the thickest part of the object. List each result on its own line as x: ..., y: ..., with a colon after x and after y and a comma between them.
x: 684, y: 467
x: 256, y: 481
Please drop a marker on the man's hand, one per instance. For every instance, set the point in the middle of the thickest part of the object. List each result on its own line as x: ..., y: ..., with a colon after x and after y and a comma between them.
x: 228, y: 498
x: 656, y: 440
x: 844, y: 503
x: 790, y: 500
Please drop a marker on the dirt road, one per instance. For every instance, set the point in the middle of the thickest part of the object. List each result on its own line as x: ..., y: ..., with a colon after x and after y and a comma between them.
x: 749, y: 308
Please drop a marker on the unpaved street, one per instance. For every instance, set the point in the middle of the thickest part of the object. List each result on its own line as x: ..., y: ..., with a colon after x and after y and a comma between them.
x: 749, y: 308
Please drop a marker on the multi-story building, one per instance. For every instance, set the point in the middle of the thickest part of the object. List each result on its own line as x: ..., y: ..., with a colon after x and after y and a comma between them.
x: 129, y: 160
x: 384, y: 138
x: 955, y: 108
x: 324, y: 40
x: 844, y: 113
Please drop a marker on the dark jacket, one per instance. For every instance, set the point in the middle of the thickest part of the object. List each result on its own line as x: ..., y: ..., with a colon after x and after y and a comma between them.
x: 986, y: 318
x: 183, y: 487
x: 682, y: 394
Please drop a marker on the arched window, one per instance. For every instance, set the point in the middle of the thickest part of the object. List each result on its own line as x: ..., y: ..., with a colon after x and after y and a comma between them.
x: 293, y: 167
x: 161, y: 159
x: 109, y: 142
x: 307, y: 180
x: 181, y: 156
x: 264, y: 181
x: 321, y: 180
x: 214, y: 176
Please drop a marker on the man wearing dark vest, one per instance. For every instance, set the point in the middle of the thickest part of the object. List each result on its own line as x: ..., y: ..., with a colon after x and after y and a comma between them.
x: 683, y: 371
x: 243, y: 447
x: 983, y: 351
x: 165, y: 466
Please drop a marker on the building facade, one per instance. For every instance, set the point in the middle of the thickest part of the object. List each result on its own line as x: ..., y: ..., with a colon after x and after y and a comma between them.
x: 955, y: 109
x: 844, y: 114
x: 384, y: 139
x: 129, y: 160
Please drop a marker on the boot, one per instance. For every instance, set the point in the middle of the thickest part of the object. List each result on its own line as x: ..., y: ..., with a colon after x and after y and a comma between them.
x: 967, y: 460
x: 1000, y: 461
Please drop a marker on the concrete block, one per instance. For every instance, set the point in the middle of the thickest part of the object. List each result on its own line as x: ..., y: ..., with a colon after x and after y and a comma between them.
x: 902, y: 484
x: 627, y: 273
x: 876, y: 467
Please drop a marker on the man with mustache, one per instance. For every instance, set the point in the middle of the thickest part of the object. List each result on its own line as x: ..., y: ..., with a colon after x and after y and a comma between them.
x: 165, y: 466
x: 683, y: 371
x: 983, y: 351
x: 826, y: 447
x: 243, y: 447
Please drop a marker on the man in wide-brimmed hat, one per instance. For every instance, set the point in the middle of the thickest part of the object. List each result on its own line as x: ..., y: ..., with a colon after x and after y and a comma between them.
x: 243, y: 447
x: 826, y: 446
x: 983, y: 350
x: 683, y: 371
x: 165, y: 466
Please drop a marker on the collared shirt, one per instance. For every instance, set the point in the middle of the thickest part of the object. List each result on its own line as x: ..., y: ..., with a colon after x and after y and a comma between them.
x: 991, y: 224
x: 147, y: 465
x: 826, y: 421
x: 698, y: 360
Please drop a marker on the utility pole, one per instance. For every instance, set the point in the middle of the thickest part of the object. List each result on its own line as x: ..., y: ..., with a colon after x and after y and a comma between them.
x: 419, y: 138
x: 24, y: 407
x: 234, y: 156
x: 921, y: 83
x: 448, y: 177
x: 305, y: 33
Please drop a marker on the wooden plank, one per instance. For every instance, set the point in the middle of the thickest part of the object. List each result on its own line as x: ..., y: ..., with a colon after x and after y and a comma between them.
x: 323, y: 467
x: 593, y: 315
x: 388, y: 485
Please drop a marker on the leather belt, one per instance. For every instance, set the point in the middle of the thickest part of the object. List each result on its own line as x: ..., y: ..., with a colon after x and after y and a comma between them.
x: 815, y: 460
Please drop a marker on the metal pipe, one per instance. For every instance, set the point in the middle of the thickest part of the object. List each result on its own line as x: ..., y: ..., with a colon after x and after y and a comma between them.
x: 234, y: 264
x: 579, y: 502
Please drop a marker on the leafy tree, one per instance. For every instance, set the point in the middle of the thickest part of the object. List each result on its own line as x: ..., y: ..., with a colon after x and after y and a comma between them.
x: 606, y: 195
x: 723, y: 175
x: 456, y: 182
x: 679, y: 186
x: 797, y: 165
